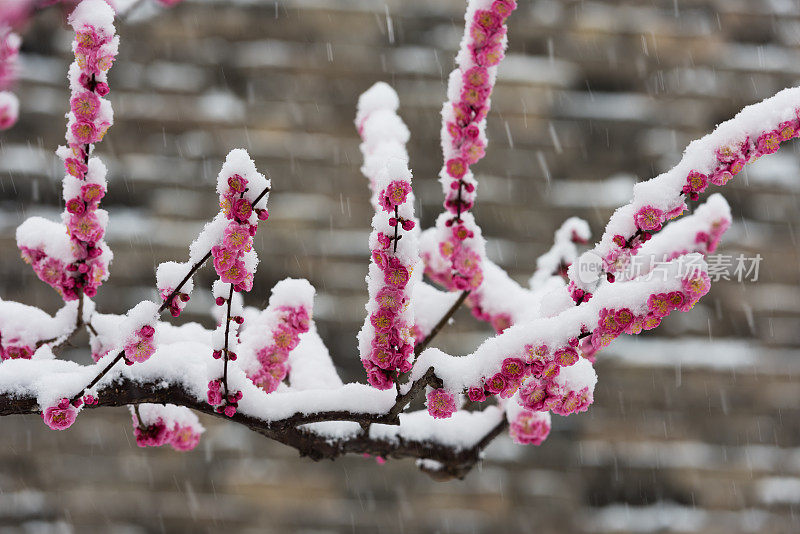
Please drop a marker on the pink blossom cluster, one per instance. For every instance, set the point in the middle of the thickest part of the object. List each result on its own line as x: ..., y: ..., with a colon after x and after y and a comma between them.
x: 392, y: 340
x: 84, y: 184
x: 537, y: 375
x: 273, y: 358
x: 464, y: 138
x: 63, y: 414
x: 9, y: 51
x: 181, y: 436
x: 15, y: 349
x: 529, y: 428
x: 177, y: 301
x: 95, y: 48
x: 538, y: 362
x: 223, y: 402
x: 141, y: 346
x: 237, y: 240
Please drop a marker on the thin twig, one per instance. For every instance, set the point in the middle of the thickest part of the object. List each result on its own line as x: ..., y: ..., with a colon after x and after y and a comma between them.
x: 225, y: 349
x: 139, y: 422
x: 194, y: 269
x: 443, y: 321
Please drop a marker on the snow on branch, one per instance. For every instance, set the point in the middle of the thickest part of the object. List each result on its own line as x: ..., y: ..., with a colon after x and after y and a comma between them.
x: 386, y: 341
x: 757, y: 130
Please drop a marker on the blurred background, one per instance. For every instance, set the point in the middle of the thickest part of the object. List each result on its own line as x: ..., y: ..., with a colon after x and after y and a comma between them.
x: 694, y: 429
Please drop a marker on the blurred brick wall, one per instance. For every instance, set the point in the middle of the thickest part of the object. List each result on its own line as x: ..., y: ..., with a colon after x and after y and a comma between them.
x: 593, y: 96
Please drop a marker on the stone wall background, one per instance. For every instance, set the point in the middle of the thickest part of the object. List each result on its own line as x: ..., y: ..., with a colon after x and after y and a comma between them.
x: 693, y: 430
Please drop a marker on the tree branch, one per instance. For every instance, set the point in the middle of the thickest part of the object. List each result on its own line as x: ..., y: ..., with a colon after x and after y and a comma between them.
x: 456, y: 462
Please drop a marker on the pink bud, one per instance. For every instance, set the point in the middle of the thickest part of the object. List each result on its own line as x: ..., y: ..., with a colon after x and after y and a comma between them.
x: 184, y: 297
x: 217, y: 354
x: 101, y: 88
x: 220, y: 301
x: 147, y: 331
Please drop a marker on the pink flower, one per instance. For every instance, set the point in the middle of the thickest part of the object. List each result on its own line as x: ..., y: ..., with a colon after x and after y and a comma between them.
x: 530, y: 428
x: 467, y: 262
x: 488, y: 20
x: 441, y: 403
x: 476, y: 394
x: 496, y: 383
x: 75, y: 206
x: 478, y: 35
x: 85, y: 105
x: 298, y: 319
x: 574, y: 402
x: 376, y: 377
x: 84, y: 132
x: 490, y: 55
x: 504, y: 7
x: 184, y: 438
x: 223, y: 258
x: 769, y: 142
x: 140, y: 350
x: 697, y: 285
x: 566, y: 356
x: 513, y: 368
x: 384, y: 357
x: 382, y: 320
x: 697, y: 182
x: 476, y: 76
x: 75, y: 167
x: 61, y: 416
x: 285, y: 338
x: 86, y: 227
x: 92, y: 193
x: 649, y: 218
x: 536, y: 353
x: 396, y: 275
x: 242, y: 209
x: 787, y: 130
x: 395, y: 194
x: 236, y: 236
x: 533, y: 396
x: 456, y: 168
x: 390, y: 298
x: 658, y: 304
x: 234, y: 274
x: 474, y: 97
x: 154, y: 435
x: 720, y: 177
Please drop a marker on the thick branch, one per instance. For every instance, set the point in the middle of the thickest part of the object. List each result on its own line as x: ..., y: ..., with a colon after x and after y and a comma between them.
x: 455, y: 462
